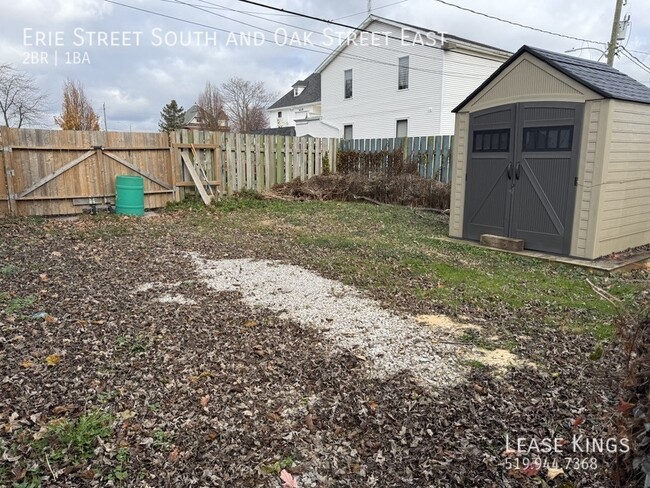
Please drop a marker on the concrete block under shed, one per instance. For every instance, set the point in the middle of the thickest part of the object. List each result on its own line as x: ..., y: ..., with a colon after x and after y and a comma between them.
x: 501, y: 242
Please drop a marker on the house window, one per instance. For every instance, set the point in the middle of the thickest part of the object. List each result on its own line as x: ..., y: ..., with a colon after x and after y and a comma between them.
x: 402, y: 128
x: 279, y: 115
x: 348, y: 83
x: 347, y: 132
x: 403, y: 73
x: 548, y: 138
x: 495, y: 140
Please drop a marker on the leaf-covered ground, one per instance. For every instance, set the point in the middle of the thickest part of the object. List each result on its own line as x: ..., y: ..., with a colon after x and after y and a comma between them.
x: 103, y: 384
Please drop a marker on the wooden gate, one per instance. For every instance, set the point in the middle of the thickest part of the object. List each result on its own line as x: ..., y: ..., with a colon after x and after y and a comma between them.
x: 61, y: 172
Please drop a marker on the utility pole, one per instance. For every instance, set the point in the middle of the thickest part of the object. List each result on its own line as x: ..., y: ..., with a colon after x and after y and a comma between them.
x: 105, y: 126
x: 369, y: 7
x: 613, y: 41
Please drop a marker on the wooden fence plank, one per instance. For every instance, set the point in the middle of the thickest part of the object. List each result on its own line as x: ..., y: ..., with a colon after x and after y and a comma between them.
x: 56, y: 173
x: 249, y: 160
x: 195, y: 177
x: 140, y: 171
x: 268, y: 157
x: 296, y: 157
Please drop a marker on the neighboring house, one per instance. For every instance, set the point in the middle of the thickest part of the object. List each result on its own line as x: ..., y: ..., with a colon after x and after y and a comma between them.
x: 303, y: 101
x: 403, y: 81
x: 193, y: 120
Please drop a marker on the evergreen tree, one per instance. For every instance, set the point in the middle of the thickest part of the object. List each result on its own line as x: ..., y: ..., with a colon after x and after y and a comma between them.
x: 171, y: 117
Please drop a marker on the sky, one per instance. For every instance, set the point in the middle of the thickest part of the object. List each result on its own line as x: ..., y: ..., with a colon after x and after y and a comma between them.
x: 134, y: 62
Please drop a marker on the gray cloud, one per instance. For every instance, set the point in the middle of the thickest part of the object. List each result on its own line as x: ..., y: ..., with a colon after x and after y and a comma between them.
x: 136, y: 81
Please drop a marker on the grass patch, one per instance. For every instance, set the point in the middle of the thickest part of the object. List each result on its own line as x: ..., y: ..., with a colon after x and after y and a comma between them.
x: 9, y: 270
x: 278, y: 466
x: 19, y: 304
x: 74, y: 439
x: 135, y: 345
x: 399, y: 252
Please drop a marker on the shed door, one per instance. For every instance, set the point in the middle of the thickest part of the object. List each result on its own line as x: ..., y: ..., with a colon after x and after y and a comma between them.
x: 524, y: 188
x: 489, y: 171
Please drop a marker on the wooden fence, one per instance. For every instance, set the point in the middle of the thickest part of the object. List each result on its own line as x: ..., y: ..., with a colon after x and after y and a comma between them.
x: 45, y: 172
x: 234, y: 162
x: 432, y: 154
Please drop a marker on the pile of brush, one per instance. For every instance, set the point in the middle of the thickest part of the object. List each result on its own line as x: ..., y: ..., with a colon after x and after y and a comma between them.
x: 634, y: 407
x: 402, y: 189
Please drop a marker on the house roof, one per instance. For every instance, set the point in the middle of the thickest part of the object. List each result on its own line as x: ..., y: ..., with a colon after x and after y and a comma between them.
x: 449, y: 39
x: 310, y: 94
x: 276, y: 131
x: 190, y: 114
x: 598, y: 77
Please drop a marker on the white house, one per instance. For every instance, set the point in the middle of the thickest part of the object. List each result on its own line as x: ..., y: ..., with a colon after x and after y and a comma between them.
x: 303, y: 101
x: 391, y: 79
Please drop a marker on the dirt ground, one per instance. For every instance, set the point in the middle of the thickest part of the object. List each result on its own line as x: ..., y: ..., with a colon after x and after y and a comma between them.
x: 199, y: 388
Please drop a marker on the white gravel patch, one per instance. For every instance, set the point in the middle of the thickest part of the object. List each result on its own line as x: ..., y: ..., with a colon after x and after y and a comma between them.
x: 180, y: 299
x: 349, y: 320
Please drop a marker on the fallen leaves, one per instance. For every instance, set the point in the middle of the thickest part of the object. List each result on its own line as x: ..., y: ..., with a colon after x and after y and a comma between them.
x: 553, y: 473
x: 288, y: 480
x: 53, y: 360
x: 205, y: 400
x: 624, y: 407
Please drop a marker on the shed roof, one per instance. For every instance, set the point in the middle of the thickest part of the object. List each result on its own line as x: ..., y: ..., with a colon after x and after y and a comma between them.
x: 598, y: 77
x: 310, y: 94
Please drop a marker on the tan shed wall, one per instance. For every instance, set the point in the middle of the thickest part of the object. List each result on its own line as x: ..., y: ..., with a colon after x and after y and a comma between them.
x: 458, y: 177
x: 530, y: 80
x: 624, y: 213
x: 592, y: 150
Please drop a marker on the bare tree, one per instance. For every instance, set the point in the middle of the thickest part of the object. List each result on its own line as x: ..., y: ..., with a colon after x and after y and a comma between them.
x: 212, y: 114
x: 21, y: 100
x: 77, y: 112
x: 246, y: 103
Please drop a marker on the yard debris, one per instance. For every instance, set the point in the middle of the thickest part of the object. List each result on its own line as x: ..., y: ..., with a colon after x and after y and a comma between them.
x: 315, y: 404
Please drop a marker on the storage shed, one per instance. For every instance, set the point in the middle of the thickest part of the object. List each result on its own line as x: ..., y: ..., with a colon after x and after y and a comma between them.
x: 554, y: 150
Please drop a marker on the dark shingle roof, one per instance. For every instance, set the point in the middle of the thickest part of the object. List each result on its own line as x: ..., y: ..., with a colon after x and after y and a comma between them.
x: 310, y: 94
x: 189, y: 115
x: 276, y: 131
x: 599, y: 77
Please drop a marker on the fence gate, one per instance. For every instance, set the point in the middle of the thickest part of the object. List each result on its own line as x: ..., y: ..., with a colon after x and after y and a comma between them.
x: 521, y: 173
x: 61, y: 172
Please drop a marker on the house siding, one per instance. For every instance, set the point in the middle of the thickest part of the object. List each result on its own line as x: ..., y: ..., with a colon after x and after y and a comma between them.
x: 290, y: 114
x: 624, y: 219
x: 461, y: 76
x: 376, y: 103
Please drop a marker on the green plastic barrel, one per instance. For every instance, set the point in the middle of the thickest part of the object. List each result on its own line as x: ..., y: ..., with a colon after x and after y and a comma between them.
x: 129, y: 195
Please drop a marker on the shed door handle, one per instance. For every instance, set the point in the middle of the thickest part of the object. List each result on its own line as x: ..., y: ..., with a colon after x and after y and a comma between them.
x: 518, y: 170
x: 509, y: 170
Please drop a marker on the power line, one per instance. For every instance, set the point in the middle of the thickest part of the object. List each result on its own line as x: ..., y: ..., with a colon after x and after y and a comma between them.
x: 511, y: 22
x: 376, y: 8
x: 386, y: 48
x: 354, y: 28
x: 323, y: 50
x: 634, y: 59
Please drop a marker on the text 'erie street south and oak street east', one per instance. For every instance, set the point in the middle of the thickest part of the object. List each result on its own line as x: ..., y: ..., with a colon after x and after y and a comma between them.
x: 68, y: 47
